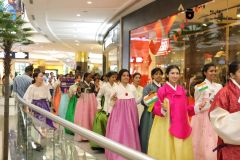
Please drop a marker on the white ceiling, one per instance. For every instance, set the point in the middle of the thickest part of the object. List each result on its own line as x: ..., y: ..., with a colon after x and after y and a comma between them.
x: 58, y: 23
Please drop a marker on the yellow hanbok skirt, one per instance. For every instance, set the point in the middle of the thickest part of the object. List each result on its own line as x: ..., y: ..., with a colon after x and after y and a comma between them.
x: 163, y: 146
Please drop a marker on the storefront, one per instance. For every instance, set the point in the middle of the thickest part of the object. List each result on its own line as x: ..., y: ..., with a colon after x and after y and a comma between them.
x: 207, y: 32
x: 111, y: 48
x: 95, y: 63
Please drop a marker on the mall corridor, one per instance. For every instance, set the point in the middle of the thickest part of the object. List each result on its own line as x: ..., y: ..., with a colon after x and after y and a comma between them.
x: 120, y: 79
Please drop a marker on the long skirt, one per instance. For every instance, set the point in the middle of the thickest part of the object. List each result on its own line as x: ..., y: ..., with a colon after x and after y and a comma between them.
x: 86, y: 109
x: 204, y: 137
x: 63, y: 105
x: 70, y: 112
x: 42, y: 103
x: 145, y: 128
x: 99, y: 126
x: 56, y: 99
x: 164, y: 146
x: 122, y: 126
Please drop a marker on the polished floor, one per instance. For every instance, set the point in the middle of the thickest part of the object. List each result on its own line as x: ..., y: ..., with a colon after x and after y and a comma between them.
x: 82, y: 147
x: 12, y: 123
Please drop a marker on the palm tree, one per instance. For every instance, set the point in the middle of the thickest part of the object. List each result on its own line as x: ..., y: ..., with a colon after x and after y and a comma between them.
x: 11, y: 32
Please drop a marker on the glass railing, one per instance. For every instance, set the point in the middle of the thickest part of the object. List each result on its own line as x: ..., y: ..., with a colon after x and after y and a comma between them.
x: 37, y: 141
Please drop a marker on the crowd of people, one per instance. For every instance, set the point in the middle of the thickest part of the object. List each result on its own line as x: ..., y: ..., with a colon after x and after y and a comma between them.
x: 156, y: 119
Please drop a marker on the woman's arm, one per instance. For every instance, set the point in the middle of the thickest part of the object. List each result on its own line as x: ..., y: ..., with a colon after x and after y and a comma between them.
x: 226, y: 125
x: 99, y: 97
x: 158, y: 109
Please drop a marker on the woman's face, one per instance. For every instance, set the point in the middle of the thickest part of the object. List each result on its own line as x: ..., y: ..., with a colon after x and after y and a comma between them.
x: 137, y: 79
x: 173, y: 76
x: 157, y: 77
x: 39, y: 78
x: 89, y: 78
x: 125, y: 77
x: 112, y: 79
x: 105, y: 79
x: 78, y: 79
x: 236, y: 76
x: 211, y: 73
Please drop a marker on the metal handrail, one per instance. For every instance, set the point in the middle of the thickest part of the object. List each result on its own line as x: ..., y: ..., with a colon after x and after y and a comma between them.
x: 102, y: 141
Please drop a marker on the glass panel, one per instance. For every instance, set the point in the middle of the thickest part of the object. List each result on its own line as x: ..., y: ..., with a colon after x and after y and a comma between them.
x: 234, y: 41
x: 38, y: 141
x: 207, y: 33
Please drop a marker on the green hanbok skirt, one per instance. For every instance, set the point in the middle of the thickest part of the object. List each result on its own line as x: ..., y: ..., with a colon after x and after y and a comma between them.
x: 145, y: 128
x: 70, y: 112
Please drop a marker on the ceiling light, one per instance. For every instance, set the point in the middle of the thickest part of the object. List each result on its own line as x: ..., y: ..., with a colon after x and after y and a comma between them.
x: 89, y: 2
x: 77, y: 44
x: 204, y: 24
x: 238, y: 12
x: 78, y: 15
x: 76, y: 41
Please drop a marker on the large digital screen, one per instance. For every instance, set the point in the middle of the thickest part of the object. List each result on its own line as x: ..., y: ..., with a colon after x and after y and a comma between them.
x: 12, y: 6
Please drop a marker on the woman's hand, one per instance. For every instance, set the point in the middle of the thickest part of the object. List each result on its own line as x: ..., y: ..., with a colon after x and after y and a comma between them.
x: 202, y: 105
x: 151, y: 92
x: 114, y: 97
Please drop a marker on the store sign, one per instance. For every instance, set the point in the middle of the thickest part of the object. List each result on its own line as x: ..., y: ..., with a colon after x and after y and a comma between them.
x: 20, y: 55
x: 17, y: 55
x: 132, y: 59
x: 139, y: 59
x: 164, y: 47
x: 136, y: 59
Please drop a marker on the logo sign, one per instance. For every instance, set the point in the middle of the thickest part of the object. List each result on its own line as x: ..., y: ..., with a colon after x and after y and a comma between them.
x: 136, y: 59
x: 17, y: 55
x: 164, y: 46
x: 180, y: 8
x: 132, y: 59
x: 20, y: 55
x: 139, y: 59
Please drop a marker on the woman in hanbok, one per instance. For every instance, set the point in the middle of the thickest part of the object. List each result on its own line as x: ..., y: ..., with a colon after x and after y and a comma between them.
x: 57, y: 94
x: 73, y: 94
x: 104, y: 108
x: 123, y: 123
x: 204, y: 138
x: 136, y: 78
x: 225, y: 116
x: 86, y: 107
x: 147, y: 117
x: 105, y: 91
x: 65, y: 84
x: 38, y: 94
x: 170, y: 137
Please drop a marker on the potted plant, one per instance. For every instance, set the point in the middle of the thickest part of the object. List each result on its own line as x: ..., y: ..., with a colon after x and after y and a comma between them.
x: 11, y: 32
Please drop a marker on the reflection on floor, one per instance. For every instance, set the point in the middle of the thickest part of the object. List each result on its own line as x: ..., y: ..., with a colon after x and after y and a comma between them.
x: 12, y: 120
x: 89, y: 154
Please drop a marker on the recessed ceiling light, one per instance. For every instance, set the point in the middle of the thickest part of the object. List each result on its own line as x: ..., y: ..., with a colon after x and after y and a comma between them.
x: 77, y: 44
x: 89, y: 2
x: 78, y: 15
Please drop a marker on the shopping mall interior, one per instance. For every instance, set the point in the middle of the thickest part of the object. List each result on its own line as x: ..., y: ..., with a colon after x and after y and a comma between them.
x: 99, y: 36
